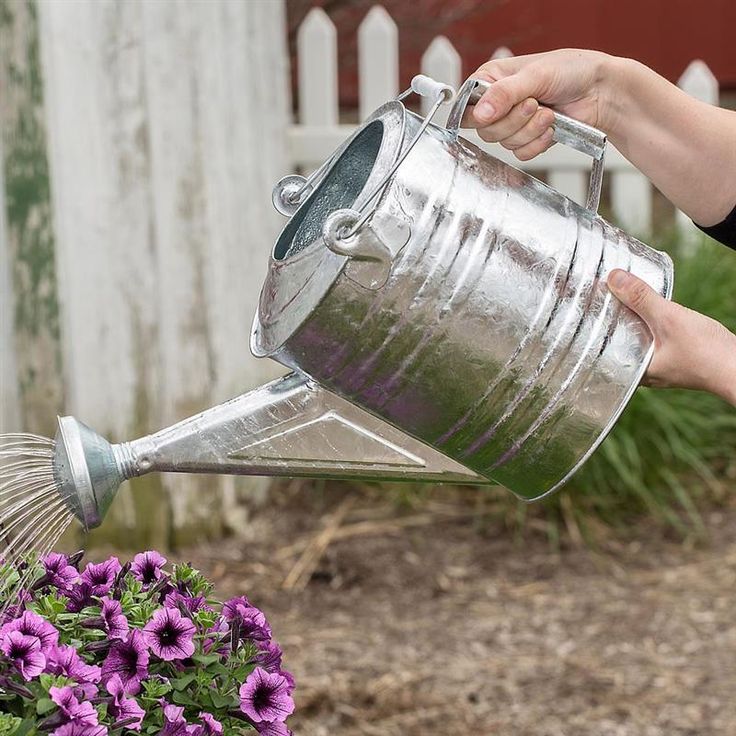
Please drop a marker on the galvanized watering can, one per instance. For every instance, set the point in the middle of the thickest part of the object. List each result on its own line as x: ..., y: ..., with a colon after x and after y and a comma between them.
x: 446, y: 317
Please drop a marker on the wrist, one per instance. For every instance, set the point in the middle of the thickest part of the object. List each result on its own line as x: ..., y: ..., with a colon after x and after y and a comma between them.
x: 723, y: 383
x: 614, y: 80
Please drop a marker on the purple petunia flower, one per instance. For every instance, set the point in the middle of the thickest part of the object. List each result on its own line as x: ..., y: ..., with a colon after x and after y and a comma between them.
x: 174, y: 722
x: 216, y: 637
x: 59, y: 572
x: 14, y: 611
x: 265, y: 697
x: 75, y: 728
x: 31, y: 624
x: 269, y: 656
x: 169, y: 635
x: 210, y: 726
x: 101, y: 576
x: 128, y: 659
x: 290, y: 681
x: 231, y: 608
x: 79, y: 596
x: 272, y: 728
x: 64, y: 660
x: 147, y: 566
x: 122, y: 708
x: 113, y: 620
x: 175, y: 599
x: 250, y: 621
x: 25, y: 653
x: 71, y: 709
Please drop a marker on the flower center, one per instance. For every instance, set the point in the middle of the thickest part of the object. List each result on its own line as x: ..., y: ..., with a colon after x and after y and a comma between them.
x: 19, y: 651
x: 168, y: 636
x: 130, y: 658
x: 262, y: 698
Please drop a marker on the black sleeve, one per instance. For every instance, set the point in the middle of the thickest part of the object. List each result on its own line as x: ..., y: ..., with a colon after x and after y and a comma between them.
x: 724, y: 232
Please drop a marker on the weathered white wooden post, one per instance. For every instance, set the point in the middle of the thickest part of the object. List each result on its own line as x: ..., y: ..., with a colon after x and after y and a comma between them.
x: 378, y: 60
x: 9, y: 399
x: 317, y: 51
x: 32, y: 397
x: 167, y: 130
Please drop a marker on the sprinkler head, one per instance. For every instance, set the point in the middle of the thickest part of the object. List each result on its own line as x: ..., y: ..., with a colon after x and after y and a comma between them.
x: 86, y: 471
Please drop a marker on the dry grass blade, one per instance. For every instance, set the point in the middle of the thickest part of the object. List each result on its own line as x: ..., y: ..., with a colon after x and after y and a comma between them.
x: 300, y: 574
x: 382, y: 526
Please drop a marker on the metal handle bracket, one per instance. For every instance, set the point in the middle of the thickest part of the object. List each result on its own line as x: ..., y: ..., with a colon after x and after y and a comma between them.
x: 580, y: 136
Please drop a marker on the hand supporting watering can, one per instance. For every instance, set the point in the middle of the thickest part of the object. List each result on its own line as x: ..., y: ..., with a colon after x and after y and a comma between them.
x: 686, y: 147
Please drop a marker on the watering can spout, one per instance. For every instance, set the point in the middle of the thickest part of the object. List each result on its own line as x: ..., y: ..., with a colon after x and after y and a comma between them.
x: 289, y: 427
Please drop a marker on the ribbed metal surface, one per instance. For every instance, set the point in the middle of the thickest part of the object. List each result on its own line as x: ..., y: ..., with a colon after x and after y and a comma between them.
x: 495, y: 339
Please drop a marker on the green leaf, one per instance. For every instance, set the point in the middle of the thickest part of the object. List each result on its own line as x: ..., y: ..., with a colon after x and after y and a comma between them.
x: 223, y: 701
x: 206, y: 659
x: 25, y: 727
x: 48, y: 681
x: 183, y: 698
x: 8, y: 724
x: 183, y: 681
x: 205, y: 619
x: 45, y: 705
x: 154, y: 689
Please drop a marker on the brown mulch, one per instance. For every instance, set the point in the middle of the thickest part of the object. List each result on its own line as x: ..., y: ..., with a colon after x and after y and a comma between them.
x: 426, y: 621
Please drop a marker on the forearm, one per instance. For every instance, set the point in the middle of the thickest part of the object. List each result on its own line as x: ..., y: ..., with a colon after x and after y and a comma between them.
x: 722, y: 367
x: 686, y: 147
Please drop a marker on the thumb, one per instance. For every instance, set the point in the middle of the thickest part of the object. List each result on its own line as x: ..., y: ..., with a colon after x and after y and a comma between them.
x: 507, y: 92
x: 637, y: 295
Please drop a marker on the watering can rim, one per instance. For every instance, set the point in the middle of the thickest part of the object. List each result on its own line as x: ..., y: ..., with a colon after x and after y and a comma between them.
x: 295, y: 284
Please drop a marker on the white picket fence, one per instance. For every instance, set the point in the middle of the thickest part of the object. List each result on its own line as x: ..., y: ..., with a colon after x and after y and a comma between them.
x: 318, y: 130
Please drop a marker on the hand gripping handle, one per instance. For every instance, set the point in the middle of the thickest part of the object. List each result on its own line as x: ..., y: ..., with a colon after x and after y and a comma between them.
x: 580, y: 136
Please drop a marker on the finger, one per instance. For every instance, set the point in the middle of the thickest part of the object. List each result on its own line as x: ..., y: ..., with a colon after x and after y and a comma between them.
x: 502, y: 95
x: 490, y: 72
x: 537, y: 146
x: 498, y: 68
x: 539, y: 123
x: 517, y: 119
x: 638, y: 296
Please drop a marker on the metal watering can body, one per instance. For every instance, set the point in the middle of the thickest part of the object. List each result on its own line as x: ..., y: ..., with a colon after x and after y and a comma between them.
x: 446, y: 316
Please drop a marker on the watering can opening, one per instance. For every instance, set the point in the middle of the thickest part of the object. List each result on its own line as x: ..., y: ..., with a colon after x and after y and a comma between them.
x: 303, y: 267
x: 340, y: 189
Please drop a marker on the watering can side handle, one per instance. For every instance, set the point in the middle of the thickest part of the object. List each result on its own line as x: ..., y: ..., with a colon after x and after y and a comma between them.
x: 580, y: 136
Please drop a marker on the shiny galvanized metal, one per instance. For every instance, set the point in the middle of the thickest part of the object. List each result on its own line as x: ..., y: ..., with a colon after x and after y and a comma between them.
x: 446, y: 315
x: 471, y: 311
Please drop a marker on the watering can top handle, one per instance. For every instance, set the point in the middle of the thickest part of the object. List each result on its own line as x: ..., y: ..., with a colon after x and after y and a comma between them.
x: 580, y: 136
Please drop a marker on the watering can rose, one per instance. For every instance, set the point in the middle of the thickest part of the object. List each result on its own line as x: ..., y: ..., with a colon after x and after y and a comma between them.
x: 117, y: 649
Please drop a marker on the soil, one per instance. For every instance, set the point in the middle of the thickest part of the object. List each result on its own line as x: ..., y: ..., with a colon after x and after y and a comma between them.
x: 434, y: 621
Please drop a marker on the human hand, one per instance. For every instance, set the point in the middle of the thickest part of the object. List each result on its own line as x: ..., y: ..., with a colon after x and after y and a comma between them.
x: 574, y: 82
x: 690, y: 349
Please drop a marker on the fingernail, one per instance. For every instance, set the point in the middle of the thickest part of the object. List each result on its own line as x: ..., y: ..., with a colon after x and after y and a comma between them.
x: 529, y: 107
x: 617, y: 279
x: 484, y: 110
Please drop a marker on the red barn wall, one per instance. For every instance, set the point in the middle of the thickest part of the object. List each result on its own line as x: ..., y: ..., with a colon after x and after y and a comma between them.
x: 664, y: 34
